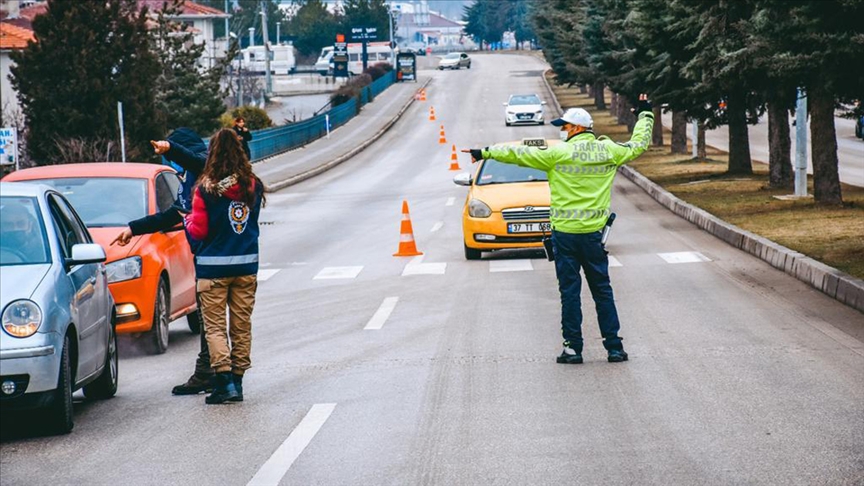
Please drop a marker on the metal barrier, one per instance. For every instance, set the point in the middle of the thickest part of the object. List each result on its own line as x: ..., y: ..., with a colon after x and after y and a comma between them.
x: 271, y: 141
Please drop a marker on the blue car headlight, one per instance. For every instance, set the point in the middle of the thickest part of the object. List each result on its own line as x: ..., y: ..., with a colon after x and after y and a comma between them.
x: 21, y: 318
x: 125, y: 269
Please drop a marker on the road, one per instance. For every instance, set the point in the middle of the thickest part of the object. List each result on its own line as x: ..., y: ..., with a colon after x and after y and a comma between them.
x: 738, y: 373
x: 850, y: 150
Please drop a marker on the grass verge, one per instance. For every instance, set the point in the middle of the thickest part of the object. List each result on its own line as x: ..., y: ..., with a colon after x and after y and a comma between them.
x: 832, y: 235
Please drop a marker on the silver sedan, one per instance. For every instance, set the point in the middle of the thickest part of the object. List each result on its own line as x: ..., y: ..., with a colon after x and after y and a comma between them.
x: 57, y: 313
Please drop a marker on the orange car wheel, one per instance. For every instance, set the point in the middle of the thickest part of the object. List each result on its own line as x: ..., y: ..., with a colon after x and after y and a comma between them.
x: 159, y: 331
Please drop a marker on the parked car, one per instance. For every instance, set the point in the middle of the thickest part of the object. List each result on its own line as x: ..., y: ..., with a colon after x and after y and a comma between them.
x: 324, y: 64
x: 524, y: 109
x: 454, y: 60
x: 507, y: 205
x: 57, y: 312
x: 153, y: 278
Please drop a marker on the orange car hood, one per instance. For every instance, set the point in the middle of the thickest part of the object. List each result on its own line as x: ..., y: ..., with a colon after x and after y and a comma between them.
x: 503, y: 196
x: 104, y: 236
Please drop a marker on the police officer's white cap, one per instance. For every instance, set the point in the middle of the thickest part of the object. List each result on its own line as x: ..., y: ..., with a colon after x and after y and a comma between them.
x: 575, y: 116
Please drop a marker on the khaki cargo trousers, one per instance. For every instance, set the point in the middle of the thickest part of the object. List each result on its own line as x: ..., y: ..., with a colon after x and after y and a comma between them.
x: 238, y: 295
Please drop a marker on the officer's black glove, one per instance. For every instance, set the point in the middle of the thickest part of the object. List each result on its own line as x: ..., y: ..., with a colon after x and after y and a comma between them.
x: 476, y: 154
x: 643, y: 105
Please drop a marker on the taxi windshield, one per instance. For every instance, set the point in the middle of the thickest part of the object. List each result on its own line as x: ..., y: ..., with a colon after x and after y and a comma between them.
x: 494, y: 172
x: 525, y: 100
x: 22, y: 233
x: 104, y: 201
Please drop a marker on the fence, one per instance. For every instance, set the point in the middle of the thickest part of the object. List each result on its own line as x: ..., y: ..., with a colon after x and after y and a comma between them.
x: 271, y: 141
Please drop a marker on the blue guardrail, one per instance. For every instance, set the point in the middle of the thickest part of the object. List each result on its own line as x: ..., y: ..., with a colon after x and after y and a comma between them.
x: 271, y: 141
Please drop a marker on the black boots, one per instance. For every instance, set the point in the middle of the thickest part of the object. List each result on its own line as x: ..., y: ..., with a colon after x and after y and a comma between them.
x: 197, y: 383
x: 238, y: 384
x: 570, y: 356
x: 617, y: 356
x: 224, y: 389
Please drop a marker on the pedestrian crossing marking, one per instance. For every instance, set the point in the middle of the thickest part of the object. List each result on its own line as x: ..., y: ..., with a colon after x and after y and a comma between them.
x: 684, y: 257
x: 333, y: 273
x: 382, y: 314
x: 613, y: 262
x: 417, y: 267
x: 437, y: 226
x: 524, y: 265
x: 265, y: 274
x: 450, y: 201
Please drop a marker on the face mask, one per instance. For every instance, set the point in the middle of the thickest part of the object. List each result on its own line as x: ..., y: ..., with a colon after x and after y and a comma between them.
x: 564, y: 134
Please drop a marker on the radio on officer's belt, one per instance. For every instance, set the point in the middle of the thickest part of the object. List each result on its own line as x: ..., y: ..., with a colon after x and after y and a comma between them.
x: 607, y: 229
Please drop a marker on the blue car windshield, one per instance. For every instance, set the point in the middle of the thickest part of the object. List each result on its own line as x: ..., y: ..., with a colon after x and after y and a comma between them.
x: 104, y: 201
x: 494, y: 172
x: 22, y: 232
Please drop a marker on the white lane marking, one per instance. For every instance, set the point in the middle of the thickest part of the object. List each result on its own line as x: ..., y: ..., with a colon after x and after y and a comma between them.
x: 264, y: 275
x: 684, y: 257
x: 264, y: 264
x: 510, y: 266
x: 382, y: 314
x: 450, y: 201
x: 613, y: 262
x: 437, y: 226
x: 272, y: 472
x: 332, y: 273
x: 417, y: 267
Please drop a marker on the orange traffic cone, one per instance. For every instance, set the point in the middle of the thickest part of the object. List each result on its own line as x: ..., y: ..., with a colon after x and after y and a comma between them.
x: 406, y: 235
x: 423, y: 94
x: 441, y: 138
x: 431, y: 113
x: 454, y: 160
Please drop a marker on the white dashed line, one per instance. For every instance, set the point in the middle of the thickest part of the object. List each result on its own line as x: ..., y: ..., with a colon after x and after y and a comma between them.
x: 272, y: 472
x: 437, y: 226
x: 613, y: 262
x: 510, y: 266
x: 333, y: 273
x: 382, y: 314
x: 417, y: 267
x: 264, y: 275
x: 450, y: 201
x: 684, y: 257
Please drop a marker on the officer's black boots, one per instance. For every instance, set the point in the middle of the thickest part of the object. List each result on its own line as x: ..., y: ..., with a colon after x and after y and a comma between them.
x: 570, y: 356
x: 223, y: 391
x: 197, y: 383
x: 617, y: 355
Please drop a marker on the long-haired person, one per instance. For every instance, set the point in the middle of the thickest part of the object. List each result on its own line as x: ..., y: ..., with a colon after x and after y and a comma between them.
x: 224, y: 218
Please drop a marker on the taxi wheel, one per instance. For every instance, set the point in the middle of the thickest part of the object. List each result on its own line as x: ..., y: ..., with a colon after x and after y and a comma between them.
x: 472, y: 254
x: 159, y: 331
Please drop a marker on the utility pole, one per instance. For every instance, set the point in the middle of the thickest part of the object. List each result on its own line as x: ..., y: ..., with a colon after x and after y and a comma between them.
x: 264, y: 29
x: 392, y: 50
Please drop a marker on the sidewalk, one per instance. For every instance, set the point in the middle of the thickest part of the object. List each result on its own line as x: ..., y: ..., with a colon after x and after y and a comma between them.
x: 374, y: 120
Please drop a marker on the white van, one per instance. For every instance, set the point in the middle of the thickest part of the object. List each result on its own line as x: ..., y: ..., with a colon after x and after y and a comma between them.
x: 376, y: 52
x: 325, y: 61
x: 252, y: 59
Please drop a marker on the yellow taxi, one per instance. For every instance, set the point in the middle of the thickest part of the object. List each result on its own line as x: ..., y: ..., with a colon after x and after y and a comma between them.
x: 507, y: 205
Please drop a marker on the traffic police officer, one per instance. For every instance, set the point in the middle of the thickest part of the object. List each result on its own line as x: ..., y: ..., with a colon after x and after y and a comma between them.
x: 581, y: 172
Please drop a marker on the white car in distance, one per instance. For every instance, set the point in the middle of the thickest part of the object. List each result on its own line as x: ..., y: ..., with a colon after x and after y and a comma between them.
x: 524, y: 110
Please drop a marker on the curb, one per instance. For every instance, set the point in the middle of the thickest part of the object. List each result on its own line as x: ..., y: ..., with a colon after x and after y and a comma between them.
x: 342, y: 158
x: 830, y: 281
x: 552, y: 93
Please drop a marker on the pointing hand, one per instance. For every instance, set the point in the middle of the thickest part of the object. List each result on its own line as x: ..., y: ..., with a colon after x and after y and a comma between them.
x: 476, y: 154
x: 123, y: 238
x: 161, y: 146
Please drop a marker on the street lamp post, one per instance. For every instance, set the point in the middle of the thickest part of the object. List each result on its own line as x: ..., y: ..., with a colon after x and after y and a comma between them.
x: 278, y: 34
x: 392, y: 50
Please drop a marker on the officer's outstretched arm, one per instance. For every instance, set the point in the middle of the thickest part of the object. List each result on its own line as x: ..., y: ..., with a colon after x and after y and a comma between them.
x: 639, y: 141
x: 534, y: 157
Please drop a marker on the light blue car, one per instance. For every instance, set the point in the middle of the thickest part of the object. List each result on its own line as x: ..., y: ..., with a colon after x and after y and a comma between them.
x: 57, y: 313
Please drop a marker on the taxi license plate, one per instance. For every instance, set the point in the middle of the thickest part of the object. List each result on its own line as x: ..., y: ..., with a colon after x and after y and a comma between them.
x: 529, y: 227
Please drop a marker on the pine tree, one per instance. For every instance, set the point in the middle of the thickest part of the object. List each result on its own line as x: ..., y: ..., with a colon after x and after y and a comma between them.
x: 187, y: 94
x: 87, y: 57
x: 313, y: 26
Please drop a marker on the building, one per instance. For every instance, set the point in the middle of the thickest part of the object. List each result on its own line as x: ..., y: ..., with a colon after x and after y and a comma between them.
x: 417, y: 24
x: 14, y: 35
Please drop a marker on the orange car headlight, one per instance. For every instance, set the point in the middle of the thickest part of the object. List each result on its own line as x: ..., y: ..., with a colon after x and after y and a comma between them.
x: 125, y: 269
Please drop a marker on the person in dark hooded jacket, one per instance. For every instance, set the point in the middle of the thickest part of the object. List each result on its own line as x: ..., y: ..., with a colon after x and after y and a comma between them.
x: 224, y: 220
x: 186, y: 151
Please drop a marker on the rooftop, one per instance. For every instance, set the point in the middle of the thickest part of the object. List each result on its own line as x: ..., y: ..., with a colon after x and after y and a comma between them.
x: 13, y: 36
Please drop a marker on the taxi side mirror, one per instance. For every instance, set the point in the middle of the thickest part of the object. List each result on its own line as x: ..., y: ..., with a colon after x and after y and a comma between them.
x: 463, y: 179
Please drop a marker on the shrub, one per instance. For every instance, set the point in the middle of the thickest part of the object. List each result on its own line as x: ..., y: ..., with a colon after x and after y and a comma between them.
x: 256, y: 118
x: 351, y: 89
x: 376, y: 71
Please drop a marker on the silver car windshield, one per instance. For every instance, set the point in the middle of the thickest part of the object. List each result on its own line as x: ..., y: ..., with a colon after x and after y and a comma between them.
x: 104, y: 201
x: 525, y: 100
x: 494, y: 172
x: 453, y: 55
x: 22, y: 232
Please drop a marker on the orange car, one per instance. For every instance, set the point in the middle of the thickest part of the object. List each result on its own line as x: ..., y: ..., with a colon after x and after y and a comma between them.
x: 153, y: 278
